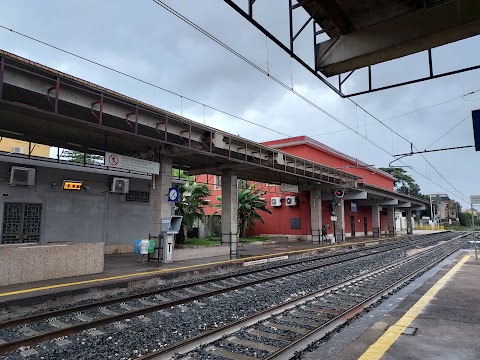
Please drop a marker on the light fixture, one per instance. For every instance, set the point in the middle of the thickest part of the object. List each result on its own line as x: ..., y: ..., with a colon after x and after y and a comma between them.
x: 11, y: 132
x: 74, y: 144
x: 95, y: 149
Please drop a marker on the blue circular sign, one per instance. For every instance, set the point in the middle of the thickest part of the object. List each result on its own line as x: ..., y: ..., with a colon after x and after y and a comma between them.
x: 173, y: 194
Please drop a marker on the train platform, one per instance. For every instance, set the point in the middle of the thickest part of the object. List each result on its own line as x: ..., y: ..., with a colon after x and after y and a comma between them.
x: 437, y: 316
x: 129, y: 272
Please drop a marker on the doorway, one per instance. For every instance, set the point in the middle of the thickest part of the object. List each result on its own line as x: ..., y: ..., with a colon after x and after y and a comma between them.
x: 352, y: 225
x: 21, y: 223
x: 365, y: 225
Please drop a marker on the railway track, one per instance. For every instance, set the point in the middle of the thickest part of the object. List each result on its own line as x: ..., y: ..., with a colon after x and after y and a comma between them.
x: 118, y: 313
x: 283, y: 332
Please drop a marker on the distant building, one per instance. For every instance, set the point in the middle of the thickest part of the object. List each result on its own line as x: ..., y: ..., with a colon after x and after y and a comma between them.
x: 444, y: 209
x: 24, y: 147
x: 365, y: 211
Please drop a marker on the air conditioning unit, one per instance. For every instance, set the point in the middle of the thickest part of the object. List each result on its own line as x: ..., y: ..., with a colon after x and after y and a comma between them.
x: 18, y: 150
x: 22, y: 176
x: 291, y: 200
x: 276, y: 201
x: 120, y: 185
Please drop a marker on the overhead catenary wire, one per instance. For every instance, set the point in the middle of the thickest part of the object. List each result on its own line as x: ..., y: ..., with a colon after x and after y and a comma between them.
x: 212, y: 107
x: 448, y: 132
x: 409, y: 113
x: 222, y: 44
x: 139, y: 79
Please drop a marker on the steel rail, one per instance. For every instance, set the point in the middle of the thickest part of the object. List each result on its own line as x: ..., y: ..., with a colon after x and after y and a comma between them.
x: 301, y: 344
x: 67, y: 331
x: 216, y: 334
x: 29, y: 319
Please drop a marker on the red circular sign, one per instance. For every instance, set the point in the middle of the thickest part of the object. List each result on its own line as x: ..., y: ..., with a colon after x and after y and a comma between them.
x: 113, y: 160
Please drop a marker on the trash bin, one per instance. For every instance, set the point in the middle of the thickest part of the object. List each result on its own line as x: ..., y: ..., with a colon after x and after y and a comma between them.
x: 151, y: 246
x: 136, y: 246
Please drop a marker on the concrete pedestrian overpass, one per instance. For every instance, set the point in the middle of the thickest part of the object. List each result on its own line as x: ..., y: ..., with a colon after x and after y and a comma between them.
x: 42, y: 105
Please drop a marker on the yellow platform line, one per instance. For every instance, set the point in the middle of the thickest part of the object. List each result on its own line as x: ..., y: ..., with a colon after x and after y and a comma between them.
x: 381, y: 346
x: 153, y: 272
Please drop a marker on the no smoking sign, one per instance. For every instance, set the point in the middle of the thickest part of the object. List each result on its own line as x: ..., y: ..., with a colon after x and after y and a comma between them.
x: 113, y: 160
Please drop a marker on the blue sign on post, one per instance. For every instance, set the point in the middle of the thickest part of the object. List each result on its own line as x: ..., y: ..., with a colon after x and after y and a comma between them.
x: 174, y: 194
x: 476, y: 128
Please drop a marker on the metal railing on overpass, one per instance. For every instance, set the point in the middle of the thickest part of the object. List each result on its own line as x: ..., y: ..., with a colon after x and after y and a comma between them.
x: 92, y: 115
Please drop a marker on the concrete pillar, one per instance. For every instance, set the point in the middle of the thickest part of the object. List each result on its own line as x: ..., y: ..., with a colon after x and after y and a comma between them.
x: 316, y: 215
x: 376, y: 221
x: 229, y: 210
x: 409, y: 222
x: 160, y: 207
x: 340, y: 223
x: 391, y: 220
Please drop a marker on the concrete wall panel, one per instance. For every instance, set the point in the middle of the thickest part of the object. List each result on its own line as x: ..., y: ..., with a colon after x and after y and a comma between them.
x: 86, y: 216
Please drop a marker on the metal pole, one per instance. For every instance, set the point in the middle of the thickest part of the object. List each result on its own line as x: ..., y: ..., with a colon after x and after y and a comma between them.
x: 473, y: 232
x: 431, y: 208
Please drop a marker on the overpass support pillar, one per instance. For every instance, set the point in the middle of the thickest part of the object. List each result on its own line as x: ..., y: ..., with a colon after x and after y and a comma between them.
x: 376, y: 220
x: 409, y: 222
x: 316, y: 215
x: 340, y: 223
x: 229, y: 211
x: 160, y: 207
x: 391, y: 220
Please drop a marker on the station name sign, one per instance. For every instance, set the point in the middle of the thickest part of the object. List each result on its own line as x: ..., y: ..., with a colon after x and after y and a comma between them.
x: 288, y: 188
x: 475, y: 199
x: 129, y: 163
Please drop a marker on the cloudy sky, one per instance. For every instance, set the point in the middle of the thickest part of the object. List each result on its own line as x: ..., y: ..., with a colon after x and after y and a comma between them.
x: 144, y: 40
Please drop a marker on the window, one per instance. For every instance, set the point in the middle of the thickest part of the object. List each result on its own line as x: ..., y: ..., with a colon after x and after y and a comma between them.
x: 21, y: 223
x: 295, y: 223
x: 218, y: 182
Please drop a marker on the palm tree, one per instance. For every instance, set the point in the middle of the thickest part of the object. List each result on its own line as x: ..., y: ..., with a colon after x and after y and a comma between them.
x: 249, y: 203
x: 193, y: 199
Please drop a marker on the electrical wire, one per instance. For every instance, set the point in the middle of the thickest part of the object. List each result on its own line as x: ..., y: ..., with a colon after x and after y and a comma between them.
x: 266, y: 73
x: 138, y: 79
x: 225, y: 46
x: 409, y: 113
x: 451, y: 129
x: 217, y: 109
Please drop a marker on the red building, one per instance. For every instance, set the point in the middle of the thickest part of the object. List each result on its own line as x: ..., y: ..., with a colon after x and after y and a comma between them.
x: 293, y: 217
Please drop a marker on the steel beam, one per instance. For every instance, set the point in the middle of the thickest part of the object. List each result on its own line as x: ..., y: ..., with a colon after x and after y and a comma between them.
x: 385, y: 202
x: 2, y: 71
x: 352, y: 195
x: 403, y: 35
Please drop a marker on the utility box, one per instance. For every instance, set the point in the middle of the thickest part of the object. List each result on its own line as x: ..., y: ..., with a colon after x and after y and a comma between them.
x: 172, y: 224
x: 170, y: 227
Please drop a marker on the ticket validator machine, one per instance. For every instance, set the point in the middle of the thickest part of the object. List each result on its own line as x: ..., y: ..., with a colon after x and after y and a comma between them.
x: 170, y: 227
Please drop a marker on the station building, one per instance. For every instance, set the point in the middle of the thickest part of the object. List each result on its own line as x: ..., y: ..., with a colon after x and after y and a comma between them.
x: 78, y: 211
x: 291, y: 213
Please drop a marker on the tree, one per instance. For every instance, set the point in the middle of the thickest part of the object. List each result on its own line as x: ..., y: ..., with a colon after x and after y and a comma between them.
x: 249, y: 203
x: 404, y: 183
x: 465, y: 219
x: 193, y: 199
x: 80, y: 157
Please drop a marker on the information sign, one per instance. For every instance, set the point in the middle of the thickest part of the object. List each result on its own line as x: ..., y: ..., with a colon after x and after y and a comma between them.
x: 129, y: 163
